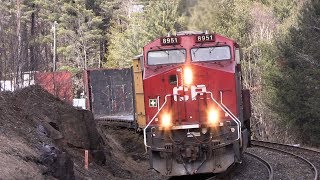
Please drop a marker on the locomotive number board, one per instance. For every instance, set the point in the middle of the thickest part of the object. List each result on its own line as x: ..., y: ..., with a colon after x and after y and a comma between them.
x: 170, y: 40
x: 205, y: 38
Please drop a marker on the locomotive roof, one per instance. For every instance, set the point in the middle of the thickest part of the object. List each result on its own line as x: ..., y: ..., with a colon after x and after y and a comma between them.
x: 181, y: 33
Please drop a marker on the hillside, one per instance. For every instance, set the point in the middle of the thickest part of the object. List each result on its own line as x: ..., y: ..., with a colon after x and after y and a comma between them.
x: 41, y: 137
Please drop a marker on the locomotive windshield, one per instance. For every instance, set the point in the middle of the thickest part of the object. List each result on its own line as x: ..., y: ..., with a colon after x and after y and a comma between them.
x: 166, y: 57
x: 218, y: 53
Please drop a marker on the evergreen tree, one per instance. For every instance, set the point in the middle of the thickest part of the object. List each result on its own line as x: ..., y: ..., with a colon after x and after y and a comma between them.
x: 296, y: 83
x: 227, y: 17
x: 162, y: 17
x: 79, y: 35
x: 253, y: 24
x: 131, y: 30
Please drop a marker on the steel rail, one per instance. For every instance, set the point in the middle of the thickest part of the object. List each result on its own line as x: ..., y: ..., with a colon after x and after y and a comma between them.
x: 295, y: 155
x: 264, y: 162
x: 212, y: 177
x: 287, y: 145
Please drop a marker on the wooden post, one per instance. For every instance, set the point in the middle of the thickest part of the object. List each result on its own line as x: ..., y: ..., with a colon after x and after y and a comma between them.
x: 86, y: 161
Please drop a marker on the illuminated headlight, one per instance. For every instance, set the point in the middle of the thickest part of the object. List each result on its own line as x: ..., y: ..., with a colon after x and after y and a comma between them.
x: 213, y: 117
x: 187, y: 76
x: 166, y: 121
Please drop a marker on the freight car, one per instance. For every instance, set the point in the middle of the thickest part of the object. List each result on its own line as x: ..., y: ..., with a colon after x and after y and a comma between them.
x: 188, y: 100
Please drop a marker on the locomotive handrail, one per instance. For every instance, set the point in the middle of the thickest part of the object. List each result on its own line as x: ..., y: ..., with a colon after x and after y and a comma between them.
x: 221, y: 95
x: 145, y: 129
x: 221, y: 101
x: 226, y: 110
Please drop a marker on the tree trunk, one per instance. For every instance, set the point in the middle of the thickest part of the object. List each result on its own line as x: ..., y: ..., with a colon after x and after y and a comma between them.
x: 33, y: 63
x: 18, y: 52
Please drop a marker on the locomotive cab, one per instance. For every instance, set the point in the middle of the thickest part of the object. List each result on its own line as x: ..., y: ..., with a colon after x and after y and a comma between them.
x: 197, y: 116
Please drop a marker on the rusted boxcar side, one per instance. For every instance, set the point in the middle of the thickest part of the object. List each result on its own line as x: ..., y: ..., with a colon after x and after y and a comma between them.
x: 57, y: 83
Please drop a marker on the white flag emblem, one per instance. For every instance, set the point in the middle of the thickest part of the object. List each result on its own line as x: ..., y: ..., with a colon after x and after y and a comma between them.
x: 153, y: 103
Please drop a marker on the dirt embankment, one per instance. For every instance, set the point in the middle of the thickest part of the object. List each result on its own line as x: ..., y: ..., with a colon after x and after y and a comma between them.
x: 128, y: 159
x: 41, y: 137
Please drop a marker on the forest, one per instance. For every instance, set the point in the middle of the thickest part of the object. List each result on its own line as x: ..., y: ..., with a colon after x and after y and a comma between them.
x: 280, y: 56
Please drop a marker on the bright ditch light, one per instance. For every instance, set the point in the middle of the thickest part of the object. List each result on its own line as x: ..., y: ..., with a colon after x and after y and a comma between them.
x: 166, y: 120
x: 213, y: 117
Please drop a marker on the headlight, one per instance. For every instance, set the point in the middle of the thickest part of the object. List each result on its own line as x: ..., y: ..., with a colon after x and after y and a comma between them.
x: 213, y: 117
x: 166, y: 120
x: 187, y: 75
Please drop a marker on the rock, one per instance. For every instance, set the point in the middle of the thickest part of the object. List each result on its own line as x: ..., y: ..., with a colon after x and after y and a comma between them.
x: 52, y: 132
x: 59, y: 163
x: 94, y: 138
x: 41, y: 130
x: 99, y: 157
x: 62, y: 168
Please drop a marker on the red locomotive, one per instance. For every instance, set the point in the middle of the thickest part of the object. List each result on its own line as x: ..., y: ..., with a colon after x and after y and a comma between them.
x: 196, y: 112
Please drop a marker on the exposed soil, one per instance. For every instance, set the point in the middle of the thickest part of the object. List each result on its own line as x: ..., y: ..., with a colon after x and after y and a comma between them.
x: 128, y: 159
x: 42, y: 137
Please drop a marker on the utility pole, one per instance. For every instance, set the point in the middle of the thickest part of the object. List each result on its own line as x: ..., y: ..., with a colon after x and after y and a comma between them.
x: 54, y: 55
x: 54, y: 44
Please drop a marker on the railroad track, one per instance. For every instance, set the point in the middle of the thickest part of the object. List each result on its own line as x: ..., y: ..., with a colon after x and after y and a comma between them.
x: 281, y: 162
x: 264, y: 162
x: 308, y: 169
x: 253, y: 167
